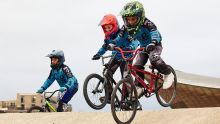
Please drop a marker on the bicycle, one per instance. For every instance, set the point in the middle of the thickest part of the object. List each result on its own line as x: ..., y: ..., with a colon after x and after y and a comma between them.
x: 95, y: 86
x: 50, y: 104
x: 124, y: 104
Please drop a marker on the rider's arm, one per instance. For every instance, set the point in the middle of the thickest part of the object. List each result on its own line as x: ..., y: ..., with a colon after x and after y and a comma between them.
x: 134, y: 44
x: 72, y: 81
x: 118, y: 41
x: 103, y: 49
x: 49, y: 81
x: 124, y: 43
x: 154, y: 33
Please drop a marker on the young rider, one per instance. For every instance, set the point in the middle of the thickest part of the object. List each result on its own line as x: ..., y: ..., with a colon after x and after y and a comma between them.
x: 140, y: 28
x: 111, y: 30
x: 63, y: 75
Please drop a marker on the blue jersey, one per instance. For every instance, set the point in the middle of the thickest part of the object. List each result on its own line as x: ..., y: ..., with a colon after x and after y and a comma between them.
x: 120, y: 41
x: 103, y: 49
x: 63, y: 76
x: 147, y: 33
x: 125, y: 44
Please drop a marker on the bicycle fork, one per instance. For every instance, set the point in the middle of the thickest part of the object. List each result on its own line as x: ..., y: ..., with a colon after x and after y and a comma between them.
x: 50, y: 107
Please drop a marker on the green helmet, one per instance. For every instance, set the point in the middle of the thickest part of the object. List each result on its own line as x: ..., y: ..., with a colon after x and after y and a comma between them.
x: 133, y: 8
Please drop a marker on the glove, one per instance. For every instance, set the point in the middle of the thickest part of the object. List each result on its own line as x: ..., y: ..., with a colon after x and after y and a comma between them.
x: 41, y: 90
x: 96, y: 57
x: 150, y: 47
x: 111, y: 47
x: 62, y: 89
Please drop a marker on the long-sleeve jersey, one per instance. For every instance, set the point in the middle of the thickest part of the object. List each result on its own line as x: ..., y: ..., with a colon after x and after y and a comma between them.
x: 63, y: 76
x: 120, y: 41
x: 125, y: 44
x: 147, y: 33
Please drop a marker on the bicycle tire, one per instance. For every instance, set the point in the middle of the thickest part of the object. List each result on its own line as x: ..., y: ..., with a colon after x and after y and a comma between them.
x: 86, y: 93
x: 35, y: 109
x: 165, y: 97
x: 123, y: 105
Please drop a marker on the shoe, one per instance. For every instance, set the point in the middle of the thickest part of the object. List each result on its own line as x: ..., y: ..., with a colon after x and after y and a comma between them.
x: 139, y: 106
x: 102, y: 99
x: 168, y: 81
x: 140, y: 91
x: 65, y: 107
x: 60, y: 107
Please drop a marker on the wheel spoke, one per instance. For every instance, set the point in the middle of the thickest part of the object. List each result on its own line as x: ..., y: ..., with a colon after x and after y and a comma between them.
x: 92, y: 91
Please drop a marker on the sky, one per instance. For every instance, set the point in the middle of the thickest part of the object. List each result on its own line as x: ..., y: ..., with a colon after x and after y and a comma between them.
x: 30, y: 29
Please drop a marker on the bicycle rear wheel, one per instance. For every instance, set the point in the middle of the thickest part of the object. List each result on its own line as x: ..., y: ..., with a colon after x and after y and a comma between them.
x: 35, y: 109
x: 165, y: 96
x: 124, y: 101
x: 93, y: 90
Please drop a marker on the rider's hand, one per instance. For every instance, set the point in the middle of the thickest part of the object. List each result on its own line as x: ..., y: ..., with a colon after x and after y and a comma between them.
x: 111, y: 47
x: 150, y: 47
x: 41, y: 90
x: 62, y: 89
x: 96, y: 57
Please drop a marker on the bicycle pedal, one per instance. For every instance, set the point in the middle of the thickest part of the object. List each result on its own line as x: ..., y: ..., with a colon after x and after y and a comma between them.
x: 147, y: 95
x: 102, y: 99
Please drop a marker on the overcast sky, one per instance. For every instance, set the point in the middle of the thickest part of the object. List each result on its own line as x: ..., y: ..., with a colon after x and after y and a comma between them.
x: 30, y: 29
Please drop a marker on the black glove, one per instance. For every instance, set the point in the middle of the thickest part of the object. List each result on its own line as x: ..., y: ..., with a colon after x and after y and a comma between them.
x: 96, y: 57
x: 150, y: 47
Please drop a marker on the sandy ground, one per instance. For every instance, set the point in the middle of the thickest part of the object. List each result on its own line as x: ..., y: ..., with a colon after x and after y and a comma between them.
x: 169, y: 116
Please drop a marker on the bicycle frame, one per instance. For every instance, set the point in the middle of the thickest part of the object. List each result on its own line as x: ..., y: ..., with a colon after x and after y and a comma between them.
x: 47, y: 101
x: 50, y: 107
x: 134, y: 70
x: 141, y: 81
x: 124, y: 105
x: 105, y: 71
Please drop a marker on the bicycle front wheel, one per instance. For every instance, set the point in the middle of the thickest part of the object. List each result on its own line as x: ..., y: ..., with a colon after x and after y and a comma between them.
x: 35, y: 109
x: 94, y: 90
x: 166, y: 95
x: 124, y: 101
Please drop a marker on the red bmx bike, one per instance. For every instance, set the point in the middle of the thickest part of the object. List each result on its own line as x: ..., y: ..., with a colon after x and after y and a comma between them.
x: 124, y: 103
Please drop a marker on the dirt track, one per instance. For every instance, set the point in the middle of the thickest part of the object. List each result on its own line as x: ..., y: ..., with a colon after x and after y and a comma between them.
x: 177, y: 116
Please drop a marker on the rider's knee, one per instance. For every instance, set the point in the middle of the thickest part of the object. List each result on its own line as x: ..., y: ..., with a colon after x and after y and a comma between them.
x: 154, y: 58
x: 163, y: 68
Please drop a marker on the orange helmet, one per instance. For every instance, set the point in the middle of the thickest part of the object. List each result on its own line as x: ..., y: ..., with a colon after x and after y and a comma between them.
x: 109, y: 19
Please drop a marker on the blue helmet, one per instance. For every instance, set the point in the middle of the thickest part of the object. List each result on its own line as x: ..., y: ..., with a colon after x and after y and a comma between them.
x: 57, y: 54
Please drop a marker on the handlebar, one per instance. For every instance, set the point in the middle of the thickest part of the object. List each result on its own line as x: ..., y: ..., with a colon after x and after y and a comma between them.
x: 131, y: 51
x: 104, y: 57
x: 52, y: 93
